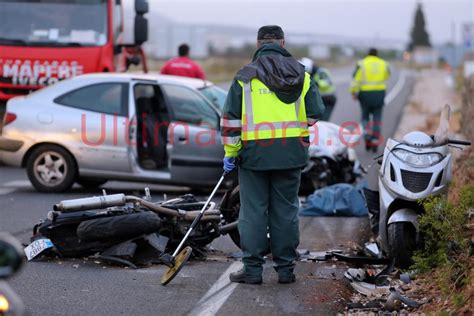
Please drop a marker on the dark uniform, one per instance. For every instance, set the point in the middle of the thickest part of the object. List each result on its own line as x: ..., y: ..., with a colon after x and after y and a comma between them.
x: 265, y: 123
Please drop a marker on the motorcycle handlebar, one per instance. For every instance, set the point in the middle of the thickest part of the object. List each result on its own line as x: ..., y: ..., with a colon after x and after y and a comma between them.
x: 458, y: 142
x: 455, y: 141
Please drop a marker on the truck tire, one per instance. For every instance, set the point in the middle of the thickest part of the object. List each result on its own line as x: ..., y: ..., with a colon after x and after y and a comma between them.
x: 120, y: 227
x: 402, y: 243
x: 51, y: 168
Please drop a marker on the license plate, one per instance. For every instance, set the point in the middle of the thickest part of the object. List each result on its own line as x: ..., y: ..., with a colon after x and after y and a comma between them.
x: 37, y: 247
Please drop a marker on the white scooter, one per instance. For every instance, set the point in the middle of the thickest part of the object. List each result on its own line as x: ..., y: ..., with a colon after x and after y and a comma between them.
x: 412, y: 169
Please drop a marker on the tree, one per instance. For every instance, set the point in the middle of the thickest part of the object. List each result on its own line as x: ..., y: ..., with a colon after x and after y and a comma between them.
x: 419, y: 36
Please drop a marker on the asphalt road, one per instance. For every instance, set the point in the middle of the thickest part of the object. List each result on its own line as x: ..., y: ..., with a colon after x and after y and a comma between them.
x: 84, y: 287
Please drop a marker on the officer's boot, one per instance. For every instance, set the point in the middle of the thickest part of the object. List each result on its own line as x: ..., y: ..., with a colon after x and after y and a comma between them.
x: 243, y: 277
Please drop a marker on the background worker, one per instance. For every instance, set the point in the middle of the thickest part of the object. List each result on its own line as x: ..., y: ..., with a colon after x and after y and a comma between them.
x: 183, y: 65
x: 326, y: 86
x: 368, y: 86
x: 265, y: 123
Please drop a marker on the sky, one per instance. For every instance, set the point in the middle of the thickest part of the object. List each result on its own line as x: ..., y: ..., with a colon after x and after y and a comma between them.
x: 373, y: 19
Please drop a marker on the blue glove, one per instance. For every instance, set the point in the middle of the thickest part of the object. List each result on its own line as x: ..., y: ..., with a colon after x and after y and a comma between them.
x: 229, y: 164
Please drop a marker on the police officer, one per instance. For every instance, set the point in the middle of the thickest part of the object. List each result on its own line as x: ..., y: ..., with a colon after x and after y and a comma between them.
x: 368, y: 86
x: 270, y: 105
x: 326, y: 86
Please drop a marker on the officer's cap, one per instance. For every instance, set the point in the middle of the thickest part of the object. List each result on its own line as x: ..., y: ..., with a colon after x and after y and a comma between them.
x: 270, y: 32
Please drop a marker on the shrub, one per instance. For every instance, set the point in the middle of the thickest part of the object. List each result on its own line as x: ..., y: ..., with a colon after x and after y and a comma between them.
x: 447, y: 245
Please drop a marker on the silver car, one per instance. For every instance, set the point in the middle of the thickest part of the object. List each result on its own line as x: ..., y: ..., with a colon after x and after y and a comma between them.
x: 98, y: 127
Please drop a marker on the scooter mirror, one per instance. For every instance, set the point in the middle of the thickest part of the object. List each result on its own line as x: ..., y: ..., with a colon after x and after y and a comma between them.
x: 11, y: 255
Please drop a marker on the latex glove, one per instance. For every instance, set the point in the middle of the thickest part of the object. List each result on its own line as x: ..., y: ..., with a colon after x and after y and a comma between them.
x: 229, y: 164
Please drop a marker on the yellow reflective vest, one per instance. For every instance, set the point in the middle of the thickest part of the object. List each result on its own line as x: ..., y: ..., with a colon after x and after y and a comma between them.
x: 371, y: 74
x: 265, y: 116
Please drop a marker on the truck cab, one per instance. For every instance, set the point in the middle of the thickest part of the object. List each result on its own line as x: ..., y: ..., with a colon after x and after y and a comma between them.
x: 44, y: 41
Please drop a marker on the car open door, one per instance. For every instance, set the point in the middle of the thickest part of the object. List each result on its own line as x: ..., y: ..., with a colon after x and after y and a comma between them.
x: 194, y: 144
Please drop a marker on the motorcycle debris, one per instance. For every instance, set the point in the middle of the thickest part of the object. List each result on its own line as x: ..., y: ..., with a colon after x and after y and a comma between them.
x: 159, y: 242
x: 235, y: 255
x: 302, y: 252
x: 306, y: 255
x: 395, y: 300
x: 319, y: 255
x: 405, y: 278
x: 372, y: 249
x: 371, y: 305
x: 355, y: 274
x: 360, y: 259
x: 368, y: 289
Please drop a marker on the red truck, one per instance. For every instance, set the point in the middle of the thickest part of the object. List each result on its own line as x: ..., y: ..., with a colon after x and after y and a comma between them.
x: 43, y: 41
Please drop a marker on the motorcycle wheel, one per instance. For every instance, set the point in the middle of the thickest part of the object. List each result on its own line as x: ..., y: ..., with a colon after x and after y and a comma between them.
x: 232, y: 207
x: 402, y: 243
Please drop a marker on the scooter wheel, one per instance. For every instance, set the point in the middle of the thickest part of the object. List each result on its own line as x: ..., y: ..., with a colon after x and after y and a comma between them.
x: 402, y: 243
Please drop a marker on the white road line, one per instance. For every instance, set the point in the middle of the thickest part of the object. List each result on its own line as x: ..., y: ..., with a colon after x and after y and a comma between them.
x: 5, y: 191
x: 393, y: 93
x: 218, y: 294
x: 17, y: 184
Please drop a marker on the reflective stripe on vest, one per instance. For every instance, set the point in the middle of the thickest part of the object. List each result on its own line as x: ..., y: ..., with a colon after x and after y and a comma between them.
x: 231, y: 123
x: 268, y: 129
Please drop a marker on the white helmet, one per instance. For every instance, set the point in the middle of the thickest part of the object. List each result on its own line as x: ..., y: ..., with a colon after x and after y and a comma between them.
x: 307, y: 63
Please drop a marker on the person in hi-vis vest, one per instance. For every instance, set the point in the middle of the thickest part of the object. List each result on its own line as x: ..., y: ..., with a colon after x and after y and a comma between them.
x: 368, y: 86
x: 270, y: 105
x: 326, y: 86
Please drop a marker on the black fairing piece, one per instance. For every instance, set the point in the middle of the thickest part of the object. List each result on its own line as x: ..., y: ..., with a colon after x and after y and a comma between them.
x: 372, y: 199
x: 102, y: 230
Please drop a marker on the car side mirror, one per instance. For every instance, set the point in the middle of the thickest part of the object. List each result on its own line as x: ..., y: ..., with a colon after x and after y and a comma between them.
x: 141, y: 30
x: 11, y: 255
x: 141, y: 23
x: 141, y: 7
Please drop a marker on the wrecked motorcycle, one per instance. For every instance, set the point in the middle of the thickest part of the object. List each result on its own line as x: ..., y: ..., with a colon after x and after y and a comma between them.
x: 415, y: 168
x: 126, y: 229
x: 332, y: 157
x: 11, y: 260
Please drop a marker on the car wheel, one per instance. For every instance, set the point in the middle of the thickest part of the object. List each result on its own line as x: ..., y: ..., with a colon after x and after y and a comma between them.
x: 91, y: 183
x: 51, y: 168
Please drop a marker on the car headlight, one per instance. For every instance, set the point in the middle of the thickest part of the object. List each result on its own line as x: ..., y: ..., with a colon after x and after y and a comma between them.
x: 419, y: 160
x: 4, y: 305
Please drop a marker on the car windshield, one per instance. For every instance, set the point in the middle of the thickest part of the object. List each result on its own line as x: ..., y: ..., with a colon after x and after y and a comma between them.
x: 216, y: 95
x: 53, y: 22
